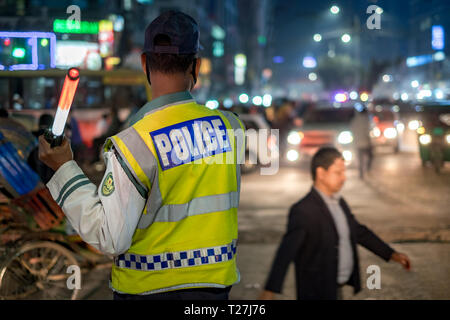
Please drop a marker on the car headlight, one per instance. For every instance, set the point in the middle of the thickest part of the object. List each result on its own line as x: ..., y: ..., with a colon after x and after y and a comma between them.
x: 425, y: 139
x: 345, y: 137
x: 294, y: 138
x: 447, y: 137
x: 414, y: 125
x: 390, y: 133
x: 376, y: 132
x: 348, y: 155
x: 292, y: 155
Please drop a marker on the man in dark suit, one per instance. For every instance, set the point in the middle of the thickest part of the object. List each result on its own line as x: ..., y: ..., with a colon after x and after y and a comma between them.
x: 321, y: 238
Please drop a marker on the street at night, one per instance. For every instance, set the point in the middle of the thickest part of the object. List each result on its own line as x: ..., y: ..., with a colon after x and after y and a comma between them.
x: 392, y: 201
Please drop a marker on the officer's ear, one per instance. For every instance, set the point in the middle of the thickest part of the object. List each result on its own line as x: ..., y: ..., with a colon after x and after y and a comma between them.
x: 197, y: 66
x: 145, y: 67
x: 144, y: 62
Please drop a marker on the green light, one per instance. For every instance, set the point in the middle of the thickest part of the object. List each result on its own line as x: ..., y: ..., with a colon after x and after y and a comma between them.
x: 18, y: 53
x: 262, y: 40
x: 66, y: 26
x: 44, y: 42
x: 218, y: 49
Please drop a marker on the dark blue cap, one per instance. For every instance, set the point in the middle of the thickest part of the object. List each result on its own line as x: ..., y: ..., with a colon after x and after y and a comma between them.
x: 181, y: 29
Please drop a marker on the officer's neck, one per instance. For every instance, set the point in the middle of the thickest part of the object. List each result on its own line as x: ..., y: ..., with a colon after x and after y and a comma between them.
x: 163, y: 84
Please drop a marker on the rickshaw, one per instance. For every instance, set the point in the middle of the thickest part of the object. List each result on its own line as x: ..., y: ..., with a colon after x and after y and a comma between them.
x: 35, y: 249
x: 434, y: 134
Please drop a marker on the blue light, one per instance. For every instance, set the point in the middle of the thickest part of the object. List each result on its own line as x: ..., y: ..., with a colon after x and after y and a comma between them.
x: 309, y: 62
x: 437, y: 37
x: 278, y: 59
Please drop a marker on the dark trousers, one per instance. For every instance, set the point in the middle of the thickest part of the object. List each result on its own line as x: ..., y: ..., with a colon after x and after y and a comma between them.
x: 364, y: 164
x: 185, y: 294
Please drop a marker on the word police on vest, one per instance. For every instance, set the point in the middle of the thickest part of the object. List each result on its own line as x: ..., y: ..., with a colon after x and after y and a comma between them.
x: 191, y: 140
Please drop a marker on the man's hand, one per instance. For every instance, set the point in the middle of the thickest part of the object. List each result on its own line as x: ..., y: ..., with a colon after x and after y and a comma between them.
x: 54, y: 157
x: 402, y: 259
x: 267, y: 295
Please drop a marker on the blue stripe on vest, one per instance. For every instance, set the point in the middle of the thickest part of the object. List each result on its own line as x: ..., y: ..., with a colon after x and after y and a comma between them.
x: 180, y: 259
x: 191, y: 140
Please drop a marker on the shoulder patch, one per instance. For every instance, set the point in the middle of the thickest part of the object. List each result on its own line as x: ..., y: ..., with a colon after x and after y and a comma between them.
x: 108, y: 185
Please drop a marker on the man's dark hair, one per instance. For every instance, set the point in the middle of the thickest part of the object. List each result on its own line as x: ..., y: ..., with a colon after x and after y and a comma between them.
x: 167, y: 62
x: 324, y: 158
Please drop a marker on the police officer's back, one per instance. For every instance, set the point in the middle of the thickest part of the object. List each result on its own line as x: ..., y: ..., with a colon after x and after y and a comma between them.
x: 167, y: 206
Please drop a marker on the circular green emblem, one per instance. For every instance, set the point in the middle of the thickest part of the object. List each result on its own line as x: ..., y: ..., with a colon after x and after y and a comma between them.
x: 108, y: 185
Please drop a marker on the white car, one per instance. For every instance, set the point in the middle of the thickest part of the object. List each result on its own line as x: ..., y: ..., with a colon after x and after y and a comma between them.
x: 262, y: 143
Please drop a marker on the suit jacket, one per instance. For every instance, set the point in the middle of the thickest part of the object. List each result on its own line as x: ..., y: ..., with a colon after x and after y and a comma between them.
x: 311, y: 241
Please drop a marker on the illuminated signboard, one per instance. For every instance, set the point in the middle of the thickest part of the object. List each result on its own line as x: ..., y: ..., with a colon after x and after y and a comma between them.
x: 437, y: 37
x: 23, y: 51
x: 72, y: 26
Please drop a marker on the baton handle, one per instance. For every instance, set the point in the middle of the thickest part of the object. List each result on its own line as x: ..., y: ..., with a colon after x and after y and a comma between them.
x: 54, y: 141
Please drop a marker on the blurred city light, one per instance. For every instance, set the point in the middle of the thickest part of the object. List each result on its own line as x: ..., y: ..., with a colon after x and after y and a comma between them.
x: 44, y: 42
x: 227, y: 103
x: 387, y: 78
x: 346, y: 38
x: 257, y: 100
x: 404, y: 96
x: 439, y: 94
x: 376, y: 132
x: 292, y: 155
x: 348, y: 156
x: 309, y: 62
x: 420, y: 130
x: 334, y: 9
x: 294, y: 138
x: 425, y: 139
x: 379, y: 10
x: 390, y: 133
x: 340, y: 97
x: 437, y: 37
x: 364, y: 96
x: 414, y: 83
x: 243, y: 98
x: 18, y: 52
x: 212, y: 104
x: 345, y: 137
x: 317, y: 37
x: 312, y: 76
x: 413, y: 125
x: 267, y: 100
x: 278, y: 59
x: 353, y: 95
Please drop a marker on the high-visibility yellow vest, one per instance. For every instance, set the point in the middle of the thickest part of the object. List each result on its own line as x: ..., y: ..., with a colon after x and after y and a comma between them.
x: 178, y: 156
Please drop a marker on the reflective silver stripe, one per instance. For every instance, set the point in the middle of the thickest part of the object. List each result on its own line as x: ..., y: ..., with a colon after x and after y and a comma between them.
x: 201, y: 205
x: 140, y: 151
x: 123, y: 158
x: 179, y: 259
x: 169, y: 105
x: 239, y: 128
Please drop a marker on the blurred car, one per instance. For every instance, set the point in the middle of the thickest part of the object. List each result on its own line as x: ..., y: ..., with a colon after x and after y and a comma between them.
x: 386, y: 127
x: 434, y: 134
x: 261, y: 146
x: 322, y: 125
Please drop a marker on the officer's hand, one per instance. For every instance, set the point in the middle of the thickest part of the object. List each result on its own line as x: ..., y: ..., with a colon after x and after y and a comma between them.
x: 54, y: 157
x: 267, y: 295
x: 402, y: 259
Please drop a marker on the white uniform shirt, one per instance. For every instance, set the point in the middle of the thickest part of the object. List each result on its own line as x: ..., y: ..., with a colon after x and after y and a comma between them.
x: 107, y: 222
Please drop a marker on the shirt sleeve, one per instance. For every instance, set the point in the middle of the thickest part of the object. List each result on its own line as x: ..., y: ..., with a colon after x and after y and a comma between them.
x: 105, y: 217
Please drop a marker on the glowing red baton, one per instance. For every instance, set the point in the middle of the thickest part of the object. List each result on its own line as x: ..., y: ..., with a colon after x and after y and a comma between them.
x: 65, y: 101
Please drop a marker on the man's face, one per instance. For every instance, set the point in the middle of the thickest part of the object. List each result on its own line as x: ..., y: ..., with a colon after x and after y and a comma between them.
x: 333, y: 178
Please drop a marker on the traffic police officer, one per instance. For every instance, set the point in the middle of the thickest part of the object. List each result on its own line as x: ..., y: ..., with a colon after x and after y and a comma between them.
x: 166, y: 208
